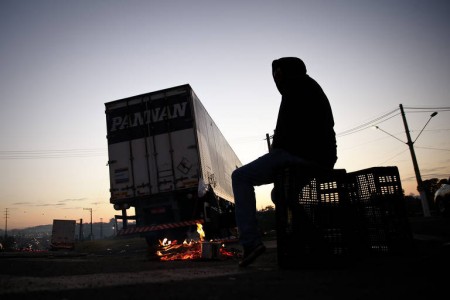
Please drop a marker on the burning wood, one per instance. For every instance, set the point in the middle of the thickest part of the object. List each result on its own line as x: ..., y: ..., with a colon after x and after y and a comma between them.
x: 194, y: 250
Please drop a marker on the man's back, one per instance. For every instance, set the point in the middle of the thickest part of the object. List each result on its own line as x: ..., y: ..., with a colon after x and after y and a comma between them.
x: 305, y: 119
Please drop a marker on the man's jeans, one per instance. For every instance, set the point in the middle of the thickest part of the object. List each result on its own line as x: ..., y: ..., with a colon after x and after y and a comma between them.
x: 244, y: 179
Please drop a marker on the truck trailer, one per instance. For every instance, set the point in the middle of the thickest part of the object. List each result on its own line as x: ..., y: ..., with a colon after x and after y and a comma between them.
x: 170, y: 162
x: 63, y: 235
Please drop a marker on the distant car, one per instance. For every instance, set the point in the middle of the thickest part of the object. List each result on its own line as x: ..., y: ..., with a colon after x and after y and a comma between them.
x: 442, y: 200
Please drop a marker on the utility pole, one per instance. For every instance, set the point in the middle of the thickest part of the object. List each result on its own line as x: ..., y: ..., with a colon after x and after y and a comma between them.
x: 268, y: 141
x: 91, y: 236
x: 80, y: 234
x: 101, y: 227
x: 423, y: 196
x: 6, y: 223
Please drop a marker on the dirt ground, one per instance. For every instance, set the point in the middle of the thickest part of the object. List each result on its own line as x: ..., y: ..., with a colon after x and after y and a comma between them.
x: 114, y: 269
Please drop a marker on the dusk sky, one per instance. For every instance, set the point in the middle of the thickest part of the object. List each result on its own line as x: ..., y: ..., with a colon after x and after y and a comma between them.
x: 60, y: 61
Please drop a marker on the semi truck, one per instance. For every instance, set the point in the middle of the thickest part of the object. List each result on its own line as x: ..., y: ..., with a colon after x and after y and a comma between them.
x: 63, y: 235
x: 169, y: 162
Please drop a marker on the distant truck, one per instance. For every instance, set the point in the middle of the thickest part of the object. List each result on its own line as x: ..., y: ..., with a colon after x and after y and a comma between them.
x: 63, y: 235
x: 170, y: 162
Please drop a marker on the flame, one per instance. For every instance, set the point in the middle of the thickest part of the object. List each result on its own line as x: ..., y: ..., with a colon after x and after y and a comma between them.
x: 188, y: 250
x: 184, y: 251
x: 200, y: 231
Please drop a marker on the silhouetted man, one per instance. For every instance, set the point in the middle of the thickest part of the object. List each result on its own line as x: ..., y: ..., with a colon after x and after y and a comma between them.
x: 304, y: 136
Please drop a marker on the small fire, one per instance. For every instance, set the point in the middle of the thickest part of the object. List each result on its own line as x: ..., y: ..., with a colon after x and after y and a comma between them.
x: 192, y: 250
x: 200, y: 231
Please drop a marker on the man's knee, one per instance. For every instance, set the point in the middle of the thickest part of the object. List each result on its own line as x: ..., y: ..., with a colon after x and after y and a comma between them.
x: 235, y: 174
x: 273, y: 195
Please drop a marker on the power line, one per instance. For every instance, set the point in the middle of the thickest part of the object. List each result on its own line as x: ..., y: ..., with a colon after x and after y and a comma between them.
x: 60, y: 153
x: 388, y: 116
x: 429, y: 108
x: 437, y: 129
x: 403, y: 151
x: 430, y: 148
x: 409, y: 142
x: 369, y: 124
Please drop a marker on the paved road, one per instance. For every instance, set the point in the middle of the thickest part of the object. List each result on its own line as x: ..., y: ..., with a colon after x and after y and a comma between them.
x: 131, y: 275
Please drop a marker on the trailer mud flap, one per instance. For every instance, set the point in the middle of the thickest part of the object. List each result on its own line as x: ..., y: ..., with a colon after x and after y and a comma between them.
x: 142, y: 229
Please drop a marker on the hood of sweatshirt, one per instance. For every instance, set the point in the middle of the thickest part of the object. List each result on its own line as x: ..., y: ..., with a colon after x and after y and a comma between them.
x: 288, y: 73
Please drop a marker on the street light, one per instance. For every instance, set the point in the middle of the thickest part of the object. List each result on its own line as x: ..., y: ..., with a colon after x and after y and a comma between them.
x: 431, y: 116
x: 389, y: 134
x: 423, y: 196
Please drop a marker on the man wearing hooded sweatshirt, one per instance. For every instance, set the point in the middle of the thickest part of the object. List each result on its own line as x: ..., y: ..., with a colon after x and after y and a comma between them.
x: 304, y: 136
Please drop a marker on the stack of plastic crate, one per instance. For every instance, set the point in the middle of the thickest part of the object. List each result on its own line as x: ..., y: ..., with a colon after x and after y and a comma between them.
x: 381, y: 218
x: 314, y: 219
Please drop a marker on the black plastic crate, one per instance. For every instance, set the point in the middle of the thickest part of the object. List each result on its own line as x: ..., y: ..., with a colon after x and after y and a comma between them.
x: 314, y: 217
x: 381, y: 218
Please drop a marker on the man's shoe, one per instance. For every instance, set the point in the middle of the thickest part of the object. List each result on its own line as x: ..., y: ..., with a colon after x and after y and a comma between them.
x: 250, y: 254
